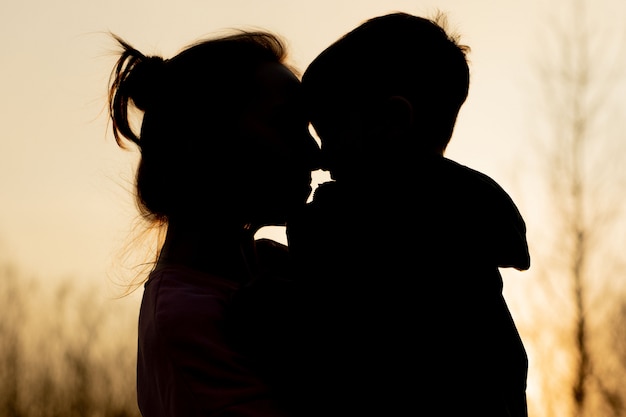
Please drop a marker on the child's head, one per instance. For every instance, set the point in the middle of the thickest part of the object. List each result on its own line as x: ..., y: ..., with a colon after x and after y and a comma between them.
x: 408, y: 58
x: 223, y: 130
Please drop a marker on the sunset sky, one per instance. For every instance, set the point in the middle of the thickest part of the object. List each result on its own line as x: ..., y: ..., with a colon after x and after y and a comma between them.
x: 66, y: 208
x: 65, y: 205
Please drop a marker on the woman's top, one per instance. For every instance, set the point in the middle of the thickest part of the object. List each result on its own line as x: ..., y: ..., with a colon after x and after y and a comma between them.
x: 185, y: 368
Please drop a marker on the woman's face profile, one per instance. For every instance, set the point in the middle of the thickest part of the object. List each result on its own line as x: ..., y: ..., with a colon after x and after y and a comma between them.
x: 279, y: 149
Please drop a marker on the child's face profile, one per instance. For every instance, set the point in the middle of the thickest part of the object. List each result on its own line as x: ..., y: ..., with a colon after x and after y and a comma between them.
x: 347, y: 138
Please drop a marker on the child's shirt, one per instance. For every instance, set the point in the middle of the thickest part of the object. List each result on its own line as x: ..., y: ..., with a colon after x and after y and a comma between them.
x: 404, y: 283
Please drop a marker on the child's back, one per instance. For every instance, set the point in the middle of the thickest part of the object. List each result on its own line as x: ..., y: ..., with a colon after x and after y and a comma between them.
x: 403, y: 275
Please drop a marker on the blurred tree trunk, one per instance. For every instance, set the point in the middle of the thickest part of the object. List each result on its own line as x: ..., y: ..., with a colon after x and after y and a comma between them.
x: 577, y: 83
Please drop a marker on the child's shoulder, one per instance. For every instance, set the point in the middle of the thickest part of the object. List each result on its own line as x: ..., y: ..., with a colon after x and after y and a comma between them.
x: 473, y: 185
x: 467, y: 174
x: 471, y: 180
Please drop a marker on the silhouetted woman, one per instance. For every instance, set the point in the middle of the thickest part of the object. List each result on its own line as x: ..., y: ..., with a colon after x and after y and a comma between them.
x: 225, y: 150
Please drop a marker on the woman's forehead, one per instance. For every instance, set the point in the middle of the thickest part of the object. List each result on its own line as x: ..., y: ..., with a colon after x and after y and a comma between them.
x: 275, y: 78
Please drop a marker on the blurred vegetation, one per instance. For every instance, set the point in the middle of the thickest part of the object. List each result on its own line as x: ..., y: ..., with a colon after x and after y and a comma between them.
x: 65, y: 350
x: 577, y: 330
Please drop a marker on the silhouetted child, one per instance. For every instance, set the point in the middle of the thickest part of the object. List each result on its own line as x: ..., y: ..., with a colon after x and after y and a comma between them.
x: 399, y: 256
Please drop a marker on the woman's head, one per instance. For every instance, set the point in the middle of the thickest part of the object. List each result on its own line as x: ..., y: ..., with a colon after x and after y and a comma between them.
x: 222, y: 132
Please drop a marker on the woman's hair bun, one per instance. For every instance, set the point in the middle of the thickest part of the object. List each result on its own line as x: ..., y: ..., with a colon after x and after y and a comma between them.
x: 145, y: 81
x: 136, y: 80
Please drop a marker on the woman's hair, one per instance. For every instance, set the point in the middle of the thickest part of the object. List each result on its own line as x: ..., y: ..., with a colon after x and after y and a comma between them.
x: 190, y: 104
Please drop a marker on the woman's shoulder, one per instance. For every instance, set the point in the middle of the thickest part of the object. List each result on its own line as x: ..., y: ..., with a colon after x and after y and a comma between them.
x: 178, y: 277
x: 177, y: 297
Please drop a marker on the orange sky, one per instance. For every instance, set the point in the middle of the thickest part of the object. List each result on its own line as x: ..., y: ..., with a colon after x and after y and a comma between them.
x: 65, y: 211
x: 65, y: 203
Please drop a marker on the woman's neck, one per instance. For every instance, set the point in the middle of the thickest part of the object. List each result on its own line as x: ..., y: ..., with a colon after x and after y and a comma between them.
x: 219, y: 249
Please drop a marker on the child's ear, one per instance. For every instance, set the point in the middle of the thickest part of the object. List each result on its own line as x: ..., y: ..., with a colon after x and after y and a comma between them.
x: 399, y: 114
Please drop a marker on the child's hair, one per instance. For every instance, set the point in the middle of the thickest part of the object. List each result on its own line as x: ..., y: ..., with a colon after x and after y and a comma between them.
x: 395, y: 55
x: 190, y: 104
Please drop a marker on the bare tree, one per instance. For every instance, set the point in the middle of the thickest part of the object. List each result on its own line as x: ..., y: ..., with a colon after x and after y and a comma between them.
x: 582, y: 176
